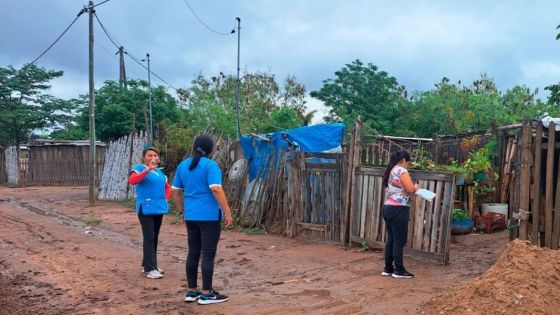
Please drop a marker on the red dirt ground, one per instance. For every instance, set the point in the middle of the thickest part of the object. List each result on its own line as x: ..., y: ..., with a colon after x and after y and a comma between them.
x: 53, y: 262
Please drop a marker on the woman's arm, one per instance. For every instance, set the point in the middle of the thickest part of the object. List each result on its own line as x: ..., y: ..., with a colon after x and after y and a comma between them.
x: 408, y: 186
x: 136, y: 178
x: 220, y: 196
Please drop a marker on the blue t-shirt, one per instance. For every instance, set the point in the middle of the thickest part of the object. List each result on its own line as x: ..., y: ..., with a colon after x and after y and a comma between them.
x: 199, y: 202
x: 150, y: 192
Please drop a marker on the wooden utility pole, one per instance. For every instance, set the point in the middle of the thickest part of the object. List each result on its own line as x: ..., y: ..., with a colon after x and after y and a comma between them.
x: 92, y: 158
x: 122, y: 71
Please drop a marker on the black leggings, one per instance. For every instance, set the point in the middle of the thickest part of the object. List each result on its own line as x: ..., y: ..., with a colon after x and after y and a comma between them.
x: 150, y: 232
x: 396, y: 222
x: 203, y: 237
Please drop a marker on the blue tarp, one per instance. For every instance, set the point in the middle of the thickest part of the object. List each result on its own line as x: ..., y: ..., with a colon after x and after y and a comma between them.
x: 312, y: 139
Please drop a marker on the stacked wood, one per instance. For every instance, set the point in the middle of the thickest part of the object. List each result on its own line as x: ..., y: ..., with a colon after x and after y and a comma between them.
x: 12, y: 166
x: 120, y: 157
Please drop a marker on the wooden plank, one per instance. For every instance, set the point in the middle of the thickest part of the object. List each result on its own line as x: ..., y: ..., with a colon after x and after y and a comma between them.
x: 537, y: 186
x: 436, y: 216
x: 556, y: 212
x: 369, y: 207
x: 417, y: 175
x: 428, y: 219
x: 356, y: 206
x: 549, y: 184
x: 353, y: 161
x: 313, y: 226
x: 377, y: 214
x: 418, y: 236
x: 363, y: 206
x: 447, y: 213
x: 524, y: 193
x: 321, y: 166
x: 333, y: 156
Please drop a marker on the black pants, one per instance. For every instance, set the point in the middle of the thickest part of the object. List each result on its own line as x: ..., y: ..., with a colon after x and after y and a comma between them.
x: 396, y: 222
x: 150, y: 232
x: 203, y: 237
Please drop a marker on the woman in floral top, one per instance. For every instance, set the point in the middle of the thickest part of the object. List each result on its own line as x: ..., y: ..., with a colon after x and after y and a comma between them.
x: 396, y: 209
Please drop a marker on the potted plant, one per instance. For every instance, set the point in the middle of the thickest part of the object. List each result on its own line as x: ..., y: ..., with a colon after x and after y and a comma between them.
x: 459, y: 171
x: 477, y: 164
x: 461, y: 223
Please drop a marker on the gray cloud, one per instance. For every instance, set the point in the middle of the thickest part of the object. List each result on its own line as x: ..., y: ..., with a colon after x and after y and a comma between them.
x: 418, y: 42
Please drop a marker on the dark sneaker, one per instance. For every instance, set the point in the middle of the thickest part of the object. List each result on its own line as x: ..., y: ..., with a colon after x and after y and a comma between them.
x: 387, y: 272
x: 212, y: 297
x: 192, y: 295
x: 402, y: 274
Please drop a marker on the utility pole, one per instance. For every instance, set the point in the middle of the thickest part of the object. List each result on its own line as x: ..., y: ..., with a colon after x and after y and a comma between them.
x: 238, y: 82
x: 92, y: 148
x: 151, y: 137
x: 122, y: 71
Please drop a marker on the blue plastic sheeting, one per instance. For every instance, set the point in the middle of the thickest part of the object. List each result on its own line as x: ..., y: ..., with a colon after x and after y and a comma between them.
x: 311, y: 139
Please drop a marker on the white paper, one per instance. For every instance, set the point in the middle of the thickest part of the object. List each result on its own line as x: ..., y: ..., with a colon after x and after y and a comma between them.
x: 426, y: 194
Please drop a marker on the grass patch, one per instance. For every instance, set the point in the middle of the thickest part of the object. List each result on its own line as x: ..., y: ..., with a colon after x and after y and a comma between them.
x: 253, y: 231
x: 93, y: 220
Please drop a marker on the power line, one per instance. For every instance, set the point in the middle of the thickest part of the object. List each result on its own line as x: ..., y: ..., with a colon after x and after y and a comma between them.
x: 114, y: 41
x: 144, y: 66
x: 206, y: 25
x: 82, y: 11
x: 117, y: 45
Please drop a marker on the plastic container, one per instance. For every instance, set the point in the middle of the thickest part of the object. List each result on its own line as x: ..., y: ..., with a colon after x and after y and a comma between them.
x: 495, y: 207
x: 461, y: 227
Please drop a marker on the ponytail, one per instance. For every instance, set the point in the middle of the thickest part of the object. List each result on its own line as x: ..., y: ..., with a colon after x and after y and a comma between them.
x: 202, y: 147
x: 395, y: 158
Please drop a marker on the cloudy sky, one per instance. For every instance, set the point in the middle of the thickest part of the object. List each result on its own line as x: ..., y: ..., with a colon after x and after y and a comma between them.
x: 418, y: 42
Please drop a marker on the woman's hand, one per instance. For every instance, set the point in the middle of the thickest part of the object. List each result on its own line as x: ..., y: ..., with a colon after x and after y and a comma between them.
x: 152, y: 164
x: 229, y: 219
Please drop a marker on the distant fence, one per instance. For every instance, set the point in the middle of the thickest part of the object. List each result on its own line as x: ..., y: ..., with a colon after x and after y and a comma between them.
x: 58, y: 164
x: 120, y: 157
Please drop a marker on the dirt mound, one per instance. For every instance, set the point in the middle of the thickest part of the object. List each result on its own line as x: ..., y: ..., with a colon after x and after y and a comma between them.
x: 524, y: 280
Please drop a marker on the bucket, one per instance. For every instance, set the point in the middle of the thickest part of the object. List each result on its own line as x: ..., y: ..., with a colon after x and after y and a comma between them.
x: 495, y: 207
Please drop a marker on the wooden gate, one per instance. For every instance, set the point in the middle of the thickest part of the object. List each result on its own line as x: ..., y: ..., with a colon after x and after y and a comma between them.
x: 430, y: 222
x: 322, y: 176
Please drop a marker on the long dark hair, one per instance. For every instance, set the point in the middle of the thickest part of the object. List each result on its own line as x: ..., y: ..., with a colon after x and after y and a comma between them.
x: 396, y: 156
x: 203, y: 146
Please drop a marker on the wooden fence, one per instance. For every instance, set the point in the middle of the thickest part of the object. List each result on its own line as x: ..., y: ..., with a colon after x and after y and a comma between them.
x: 430, y: 222
x: 322, y: 188
x: 58, y: 164
x: 3, y: 172
x: 531, y: 185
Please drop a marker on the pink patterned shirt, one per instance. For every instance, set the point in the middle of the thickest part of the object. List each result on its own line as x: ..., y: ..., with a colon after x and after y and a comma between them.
x: 395, y: 195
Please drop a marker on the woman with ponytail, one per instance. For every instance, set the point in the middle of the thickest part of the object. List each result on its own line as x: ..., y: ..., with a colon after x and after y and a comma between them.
x: 203, y: 203
x: 398, y: 187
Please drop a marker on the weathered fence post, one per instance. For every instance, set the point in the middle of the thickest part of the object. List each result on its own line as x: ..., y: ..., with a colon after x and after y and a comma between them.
x: 353, y: 160
x: 12, y: 166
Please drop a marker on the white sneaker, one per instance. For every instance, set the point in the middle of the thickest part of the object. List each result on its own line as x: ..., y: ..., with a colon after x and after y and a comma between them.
x: 154, y: 274
x: 159, y: 269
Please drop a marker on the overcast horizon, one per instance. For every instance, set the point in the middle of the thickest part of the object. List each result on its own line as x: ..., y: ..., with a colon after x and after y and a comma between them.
x: 417, y: 42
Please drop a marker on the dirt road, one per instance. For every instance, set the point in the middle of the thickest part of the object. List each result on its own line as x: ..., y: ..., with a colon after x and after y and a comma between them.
x: 59, y: 256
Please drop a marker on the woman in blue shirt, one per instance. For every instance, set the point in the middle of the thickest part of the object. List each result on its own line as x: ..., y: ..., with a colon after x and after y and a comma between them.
x: 203, y: 204
x: 152, y: 192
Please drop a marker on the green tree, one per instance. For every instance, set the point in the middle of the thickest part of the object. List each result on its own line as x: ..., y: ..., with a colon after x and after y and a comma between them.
x: 25, y: 106
x: 364, y: 90
x: 117, y: 108
x: 210, y: 103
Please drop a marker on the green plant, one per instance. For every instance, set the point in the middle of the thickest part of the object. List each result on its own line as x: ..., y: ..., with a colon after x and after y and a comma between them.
x: 478, y: 162
x: 254, y: 231
x: 460, y: 215
x: 455, y: 168
x: 92, y: 220
x: 365, y: 246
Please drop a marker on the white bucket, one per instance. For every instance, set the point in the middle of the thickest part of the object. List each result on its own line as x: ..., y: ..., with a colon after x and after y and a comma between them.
x: 495, y: 207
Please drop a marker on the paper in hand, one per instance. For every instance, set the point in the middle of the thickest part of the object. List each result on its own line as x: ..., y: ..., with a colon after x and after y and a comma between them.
x: 426, y: 194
